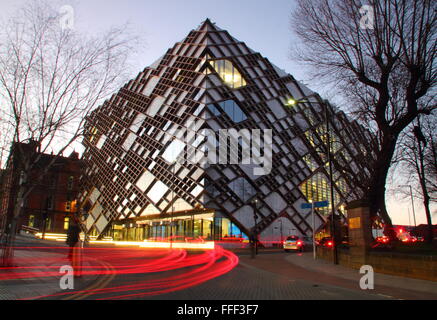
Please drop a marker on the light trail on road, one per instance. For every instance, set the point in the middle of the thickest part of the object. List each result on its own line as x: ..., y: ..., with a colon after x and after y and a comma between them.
x: 156, y: 271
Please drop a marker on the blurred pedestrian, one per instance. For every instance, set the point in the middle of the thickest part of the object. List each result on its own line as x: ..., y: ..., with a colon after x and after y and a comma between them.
x: 73, y: 236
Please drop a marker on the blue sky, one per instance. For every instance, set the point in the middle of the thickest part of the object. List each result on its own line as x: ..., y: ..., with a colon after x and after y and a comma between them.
x: 264, y: 25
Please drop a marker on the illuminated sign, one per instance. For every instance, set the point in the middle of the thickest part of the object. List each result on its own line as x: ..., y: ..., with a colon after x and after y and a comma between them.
x: 355, y: 223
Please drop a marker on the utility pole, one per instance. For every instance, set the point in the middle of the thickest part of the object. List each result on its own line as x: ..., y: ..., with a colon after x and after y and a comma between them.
x: 412, y: 204
x: 331, y: 183
x: 314, y: 229
x: 254, y: 244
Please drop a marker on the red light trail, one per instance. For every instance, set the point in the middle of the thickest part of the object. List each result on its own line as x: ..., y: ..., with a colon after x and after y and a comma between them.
x: 164, y: 270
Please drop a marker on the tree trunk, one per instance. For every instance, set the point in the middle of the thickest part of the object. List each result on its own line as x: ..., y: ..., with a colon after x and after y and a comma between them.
x: 376, y: 193
x: 7, y: 259
x: 8, y: 250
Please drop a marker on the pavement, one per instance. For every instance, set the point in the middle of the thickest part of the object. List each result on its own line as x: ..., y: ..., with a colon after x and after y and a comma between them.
x: 272, y: 275
x: 321, y: 272
x: 36, y: 270
x: 307, y: 261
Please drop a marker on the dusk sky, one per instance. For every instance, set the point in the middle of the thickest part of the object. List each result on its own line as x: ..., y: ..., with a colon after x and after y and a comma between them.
x: 263, y: 25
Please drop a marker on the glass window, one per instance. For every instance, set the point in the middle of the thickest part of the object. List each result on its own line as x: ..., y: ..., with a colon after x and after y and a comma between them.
x: 231, y: 108
x: 228, y: 73
x: 31, y: 221
x: 66, y: 223
x: 214, y: 110
x: 317, y: 188
x: 242, y: 188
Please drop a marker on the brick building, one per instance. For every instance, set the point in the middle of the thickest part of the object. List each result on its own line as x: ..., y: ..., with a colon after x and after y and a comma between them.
x: 52, y: 201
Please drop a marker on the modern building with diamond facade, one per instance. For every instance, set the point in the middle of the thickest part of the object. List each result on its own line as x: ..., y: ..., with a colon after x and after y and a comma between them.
x: 143, y: 180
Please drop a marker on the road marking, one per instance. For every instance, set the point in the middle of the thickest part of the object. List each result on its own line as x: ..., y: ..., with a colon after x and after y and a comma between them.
x: 386, y: 296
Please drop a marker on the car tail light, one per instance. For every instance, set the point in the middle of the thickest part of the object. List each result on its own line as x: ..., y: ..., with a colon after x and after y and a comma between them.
x: 299, y: 243
x: 330, y: 244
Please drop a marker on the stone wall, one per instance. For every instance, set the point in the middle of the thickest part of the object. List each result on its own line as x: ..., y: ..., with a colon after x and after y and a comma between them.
x: 359, y: 252
x: 398, y: 264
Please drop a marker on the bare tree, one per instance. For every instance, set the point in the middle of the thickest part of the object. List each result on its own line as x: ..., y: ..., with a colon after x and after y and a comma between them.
x: 51, y: 77
x: 419, y: 163
x: 381, y: 57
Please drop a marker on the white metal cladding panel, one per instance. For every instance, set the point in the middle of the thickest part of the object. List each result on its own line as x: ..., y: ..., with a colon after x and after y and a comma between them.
x: 130, y: 139
x: 157, y: 191
x: 97, y: 210
x: 245, y: 216
x: 276, y: 202
x: 94, y: 195
x: 101, y: 142
x: 150, y: 210
x: 181, y: 205
x: 101, y: 223
x: 138, y: 121
x: 151, y: 84
x: 145, y: 180
x: 89, y: 222
x: 155, y: 105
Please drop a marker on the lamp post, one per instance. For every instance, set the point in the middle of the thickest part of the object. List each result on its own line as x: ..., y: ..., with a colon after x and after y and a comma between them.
x: 293, y: 102
x: 412, y: 201
x: 254, y: 242
x: 412, y: 204
x: 314, y: 228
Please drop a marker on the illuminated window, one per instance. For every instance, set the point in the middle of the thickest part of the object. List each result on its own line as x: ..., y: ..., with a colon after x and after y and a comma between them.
x: 68, y: 206
x: 228, y: 73
x: 31, y: 221
x: 66, y: 223
x: 93, y: 133
x: 316, y: 189
x: 342, y: 186
x: 309, y: 160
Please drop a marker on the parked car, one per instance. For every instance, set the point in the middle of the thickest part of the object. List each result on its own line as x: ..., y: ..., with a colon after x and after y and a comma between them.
x: 383, y: 239
x: 294, y: 243
x: 326, y: 242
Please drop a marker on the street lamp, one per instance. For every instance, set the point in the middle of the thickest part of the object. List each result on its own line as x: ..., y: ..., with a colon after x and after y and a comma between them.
x: 324, y: 104
x: 314, y: 228
x: 254, y: 242
x: 412, y: 201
